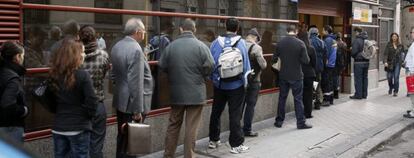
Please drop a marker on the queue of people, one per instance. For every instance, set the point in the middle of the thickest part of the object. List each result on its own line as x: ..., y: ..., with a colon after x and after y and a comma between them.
x: 310, y: 66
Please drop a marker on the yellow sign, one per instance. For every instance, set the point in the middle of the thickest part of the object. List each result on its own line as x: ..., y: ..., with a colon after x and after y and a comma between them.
x: 363, y: 15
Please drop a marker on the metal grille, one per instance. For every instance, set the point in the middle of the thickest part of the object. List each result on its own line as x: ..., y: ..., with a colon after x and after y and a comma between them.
x: 10, y: 20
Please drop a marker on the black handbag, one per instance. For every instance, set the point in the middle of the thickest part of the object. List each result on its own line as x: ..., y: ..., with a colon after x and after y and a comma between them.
x: 44, y: 93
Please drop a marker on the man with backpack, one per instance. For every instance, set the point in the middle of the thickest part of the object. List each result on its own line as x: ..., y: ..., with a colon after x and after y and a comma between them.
x: 231, y: 65
x: 258, y: 63
x: 328, y: 73
x: 361, y: 64
x: 320, y: 49
x: 340, y: 63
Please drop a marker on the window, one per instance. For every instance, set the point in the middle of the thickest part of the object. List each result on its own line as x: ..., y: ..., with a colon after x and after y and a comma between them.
x: 36, y: 16
x: 108, y: 18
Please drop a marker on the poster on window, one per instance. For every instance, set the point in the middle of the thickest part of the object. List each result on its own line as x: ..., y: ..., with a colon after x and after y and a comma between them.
x: 363, y: 15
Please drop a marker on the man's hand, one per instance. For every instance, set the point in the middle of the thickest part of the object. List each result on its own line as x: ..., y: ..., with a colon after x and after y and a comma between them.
x: 137, y: 117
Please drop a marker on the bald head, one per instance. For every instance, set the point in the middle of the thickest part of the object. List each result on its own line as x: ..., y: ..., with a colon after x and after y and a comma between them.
x: 133, y: 25
x: 188, y: 25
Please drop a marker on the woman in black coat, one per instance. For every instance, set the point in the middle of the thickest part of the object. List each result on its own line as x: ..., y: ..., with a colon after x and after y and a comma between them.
x: 13, y: 108
x: 309, y: 75
x: 393, y: 59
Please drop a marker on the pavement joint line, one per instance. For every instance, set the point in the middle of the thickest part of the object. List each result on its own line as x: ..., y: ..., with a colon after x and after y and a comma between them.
x: 327, y: 139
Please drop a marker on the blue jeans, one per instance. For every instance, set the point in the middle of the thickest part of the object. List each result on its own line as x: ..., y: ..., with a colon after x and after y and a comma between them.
x: 76, y: 146
x: 14, y: 133
x: 98, y: 132
x: 361, y: 79
x: 251, y: 98
x: 394, y: 78
x: 297, y: 91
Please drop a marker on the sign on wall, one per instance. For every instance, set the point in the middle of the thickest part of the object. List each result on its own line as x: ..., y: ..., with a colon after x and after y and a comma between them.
x: 363, y: 15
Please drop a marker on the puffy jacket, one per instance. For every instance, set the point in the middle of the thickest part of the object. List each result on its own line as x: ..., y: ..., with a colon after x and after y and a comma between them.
x: 331, y: 48
x: 358, y: 47
x: 394, y: 56
x: 13, y: 107
x: 320, y: 51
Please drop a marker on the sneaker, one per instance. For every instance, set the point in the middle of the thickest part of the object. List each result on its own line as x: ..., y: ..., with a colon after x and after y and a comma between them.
x: 214, y: 144
x: 239, y: 149
x: 395, y: 94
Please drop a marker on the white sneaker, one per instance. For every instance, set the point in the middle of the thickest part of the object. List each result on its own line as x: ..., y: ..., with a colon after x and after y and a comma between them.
x: 214, y: 144
x: 239, y: 149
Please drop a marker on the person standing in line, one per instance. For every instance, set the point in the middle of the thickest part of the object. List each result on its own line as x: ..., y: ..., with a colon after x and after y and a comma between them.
x: 361, y: 65
x: 76, y: 101
x: 393, y: 60
x: 292, y: 53
x: 133, y: 83
x: 188, y: 63
x: 328, y: 73
x: 101, y: 41
x: 320, y: 51
x: 258, y: 63
x: 308, y: 74
x: 409, y: 60
x: 97, y: 64
x: 231, y: 91
x: 13, y: 106
x: 340, y: 63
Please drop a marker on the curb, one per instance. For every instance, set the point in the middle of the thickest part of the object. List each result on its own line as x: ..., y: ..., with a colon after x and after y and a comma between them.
x: 383, y: 137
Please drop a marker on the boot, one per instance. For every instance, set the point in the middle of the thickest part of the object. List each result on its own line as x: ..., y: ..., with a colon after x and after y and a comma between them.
x: 331, y: 99
x: 336, y: 94
x: 326, y: 101
x: 317, y: 105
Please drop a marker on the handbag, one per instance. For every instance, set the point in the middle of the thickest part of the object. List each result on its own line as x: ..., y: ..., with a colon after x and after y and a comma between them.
x: 45, y: 95
x: 138, y: 138
x: 410, y: 84
x: 277, y: 65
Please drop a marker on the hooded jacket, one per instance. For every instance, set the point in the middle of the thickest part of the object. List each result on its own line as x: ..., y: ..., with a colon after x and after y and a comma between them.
x: 358, y: 47
x: 217, y: 48
x: 331, y: 48
x: 13, y: 107
x: 320, y: 51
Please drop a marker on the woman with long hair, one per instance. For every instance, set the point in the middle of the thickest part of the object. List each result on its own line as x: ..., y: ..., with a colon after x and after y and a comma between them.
x: 308, y: 73
x: 13, y: 108
x: 76, y: 101
x: 393, y: 60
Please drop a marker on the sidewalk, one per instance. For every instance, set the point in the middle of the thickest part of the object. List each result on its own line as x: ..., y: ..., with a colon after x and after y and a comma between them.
x: 336, y: 129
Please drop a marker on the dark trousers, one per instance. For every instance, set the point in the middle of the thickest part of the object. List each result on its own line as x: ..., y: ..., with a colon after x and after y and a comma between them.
x: 252, y: 94
x: 361, y: 79
x: 235, y: 100
x: 72, y: 146
x: 307, y: 95
x: 122, y: 138
x: 297, y: 91
x: 98, y: 132
x: 327, y: 82
x: 394, y: 78
x: 335, y: 79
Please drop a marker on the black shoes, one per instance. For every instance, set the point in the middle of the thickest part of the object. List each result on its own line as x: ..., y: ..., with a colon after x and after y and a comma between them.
x: 355, y: 97
x: 304, y: 126
x: 308, y: 117
x: 325, y: 103
x: 395, y: 94
x: 251, y: 134
x: 390, y: 92
x: 278, y: 124
x: 336, y: 94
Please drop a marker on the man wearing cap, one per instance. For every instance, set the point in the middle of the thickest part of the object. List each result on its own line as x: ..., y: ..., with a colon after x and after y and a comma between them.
x: 258, y: 63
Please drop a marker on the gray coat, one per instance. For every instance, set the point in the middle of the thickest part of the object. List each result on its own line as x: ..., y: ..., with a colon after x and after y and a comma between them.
x: 188, y: 63
x: 133, y: 83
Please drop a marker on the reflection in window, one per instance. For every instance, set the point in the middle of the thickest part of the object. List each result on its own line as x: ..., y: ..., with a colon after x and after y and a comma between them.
x: 36, y: 16
x: 108, y: 18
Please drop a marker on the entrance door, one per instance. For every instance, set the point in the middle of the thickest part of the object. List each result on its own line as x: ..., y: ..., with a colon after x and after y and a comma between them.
x: 386, y: 27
